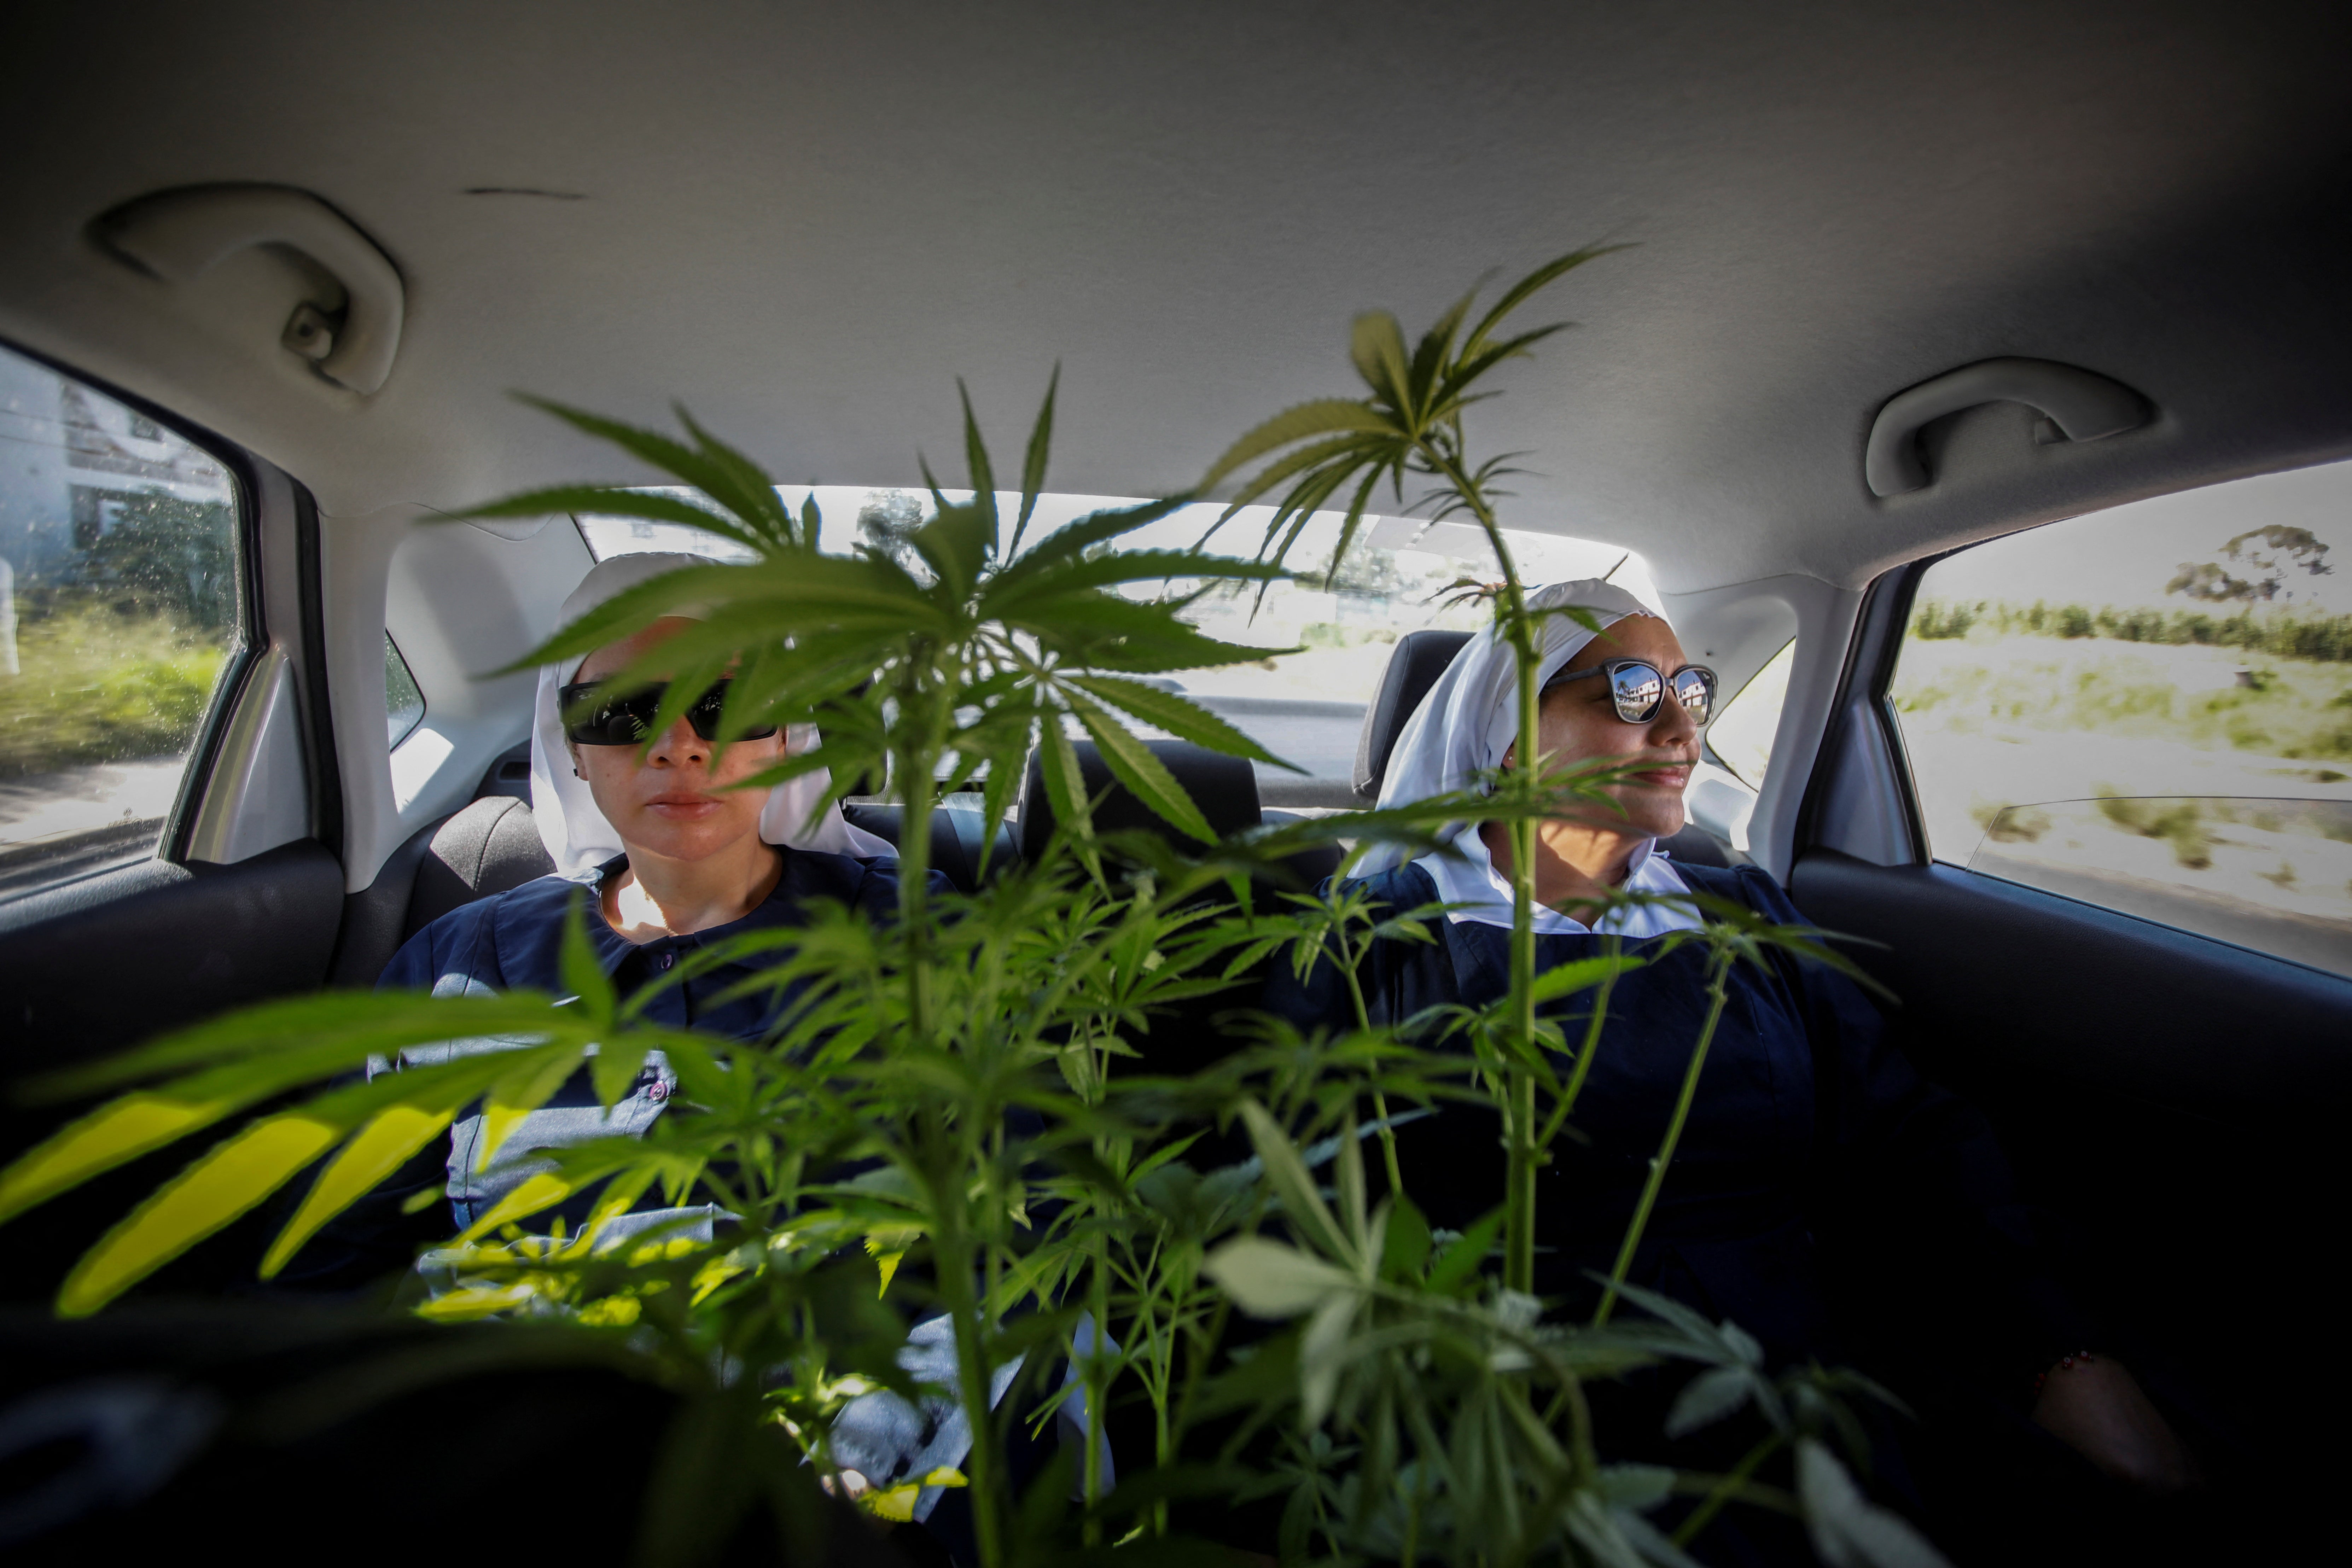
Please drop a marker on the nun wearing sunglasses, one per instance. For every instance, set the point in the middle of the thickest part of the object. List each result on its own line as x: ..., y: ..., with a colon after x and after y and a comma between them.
x: 1820, y: 1185
x: 663, y: 859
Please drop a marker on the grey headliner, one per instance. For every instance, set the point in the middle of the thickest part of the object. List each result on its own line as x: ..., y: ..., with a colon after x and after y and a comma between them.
x: 806, y: 221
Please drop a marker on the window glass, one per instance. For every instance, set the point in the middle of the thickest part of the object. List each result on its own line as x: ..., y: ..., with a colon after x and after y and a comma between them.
x: 404, y: 704
x: 1741, y: 738
x: 2150, y: 709
x: 1306, y: 707
x: 119, y: 620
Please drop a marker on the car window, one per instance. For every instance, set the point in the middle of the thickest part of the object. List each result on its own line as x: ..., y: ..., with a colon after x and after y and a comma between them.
x: 1306, y: 706
x: 1740, y: 737
x: 2150, y: 709
x: 120, y: 618
x: 403, y: 703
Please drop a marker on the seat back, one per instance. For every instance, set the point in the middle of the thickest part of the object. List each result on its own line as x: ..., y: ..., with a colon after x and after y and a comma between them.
x: 1223, y: 787
x: 956, y: 838
x: 1414, y: 665
x: 490, y: 847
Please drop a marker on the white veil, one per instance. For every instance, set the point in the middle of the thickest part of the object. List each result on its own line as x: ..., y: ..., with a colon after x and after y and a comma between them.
x: 575, y: 832
x: 1471, y: 716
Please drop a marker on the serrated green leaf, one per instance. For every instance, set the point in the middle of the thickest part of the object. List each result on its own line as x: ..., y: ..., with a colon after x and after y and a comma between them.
x: 112, y: 1135
x: 1463, y: 1256
x: 217, y: 1189
x: 1180, y: 717
x: 1708, y: 1398
x: 1376, y: 344
x: 1145, y: 776
x: 1302, y: 1205
x: 1267, y: 1279
x: 1848, y: 1529
x: 1032, y: 467
x: 378, y: 1150
x: 1323, y: 416
x: 1405, y: 1242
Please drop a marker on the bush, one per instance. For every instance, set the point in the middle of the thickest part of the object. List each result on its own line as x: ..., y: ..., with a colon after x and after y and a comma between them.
x: 98, y: 686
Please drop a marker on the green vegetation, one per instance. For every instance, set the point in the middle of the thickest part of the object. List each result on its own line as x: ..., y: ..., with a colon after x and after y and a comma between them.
x: 2180, y: 823
x: 969, y: 1112
x: 99, y: 685
x: 2284, y: 633
x: 2291, y: 707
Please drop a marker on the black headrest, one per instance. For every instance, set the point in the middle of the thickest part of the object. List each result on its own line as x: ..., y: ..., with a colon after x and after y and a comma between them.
x: 956, y: 838
x: 491, y: 846
x: 1223, y: 787
x: 1419, y: 659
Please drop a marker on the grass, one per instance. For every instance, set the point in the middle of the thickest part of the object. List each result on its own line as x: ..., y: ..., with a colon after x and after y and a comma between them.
x: 2284, y: 633
x: 2297, y: 709
x: 97, y: 686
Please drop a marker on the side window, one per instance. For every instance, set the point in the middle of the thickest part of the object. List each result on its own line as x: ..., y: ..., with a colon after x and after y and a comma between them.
x: 2150, y: 709
x: 404, y: 704
x: 120, y: 619
x: 1740, y: 741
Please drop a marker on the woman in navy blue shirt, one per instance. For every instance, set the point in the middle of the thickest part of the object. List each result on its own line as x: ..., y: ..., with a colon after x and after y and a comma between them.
x: 1804, y: 1106
x: 663, y: 860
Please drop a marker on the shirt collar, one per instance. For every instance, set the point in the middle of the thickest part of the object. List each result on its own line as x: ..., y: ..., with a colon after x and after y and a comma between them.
x: 1464, y: 873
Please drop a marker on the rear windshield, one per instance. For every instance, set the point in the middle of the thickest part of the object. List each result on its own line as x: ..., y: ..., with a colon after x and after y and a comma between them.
x: 1306, y: 707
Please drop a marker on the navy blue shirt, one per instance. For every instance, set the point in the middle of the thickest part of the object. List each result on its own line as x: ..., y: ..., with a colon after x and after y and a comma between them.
x: 514, y: 941
x: 1808, y: 1124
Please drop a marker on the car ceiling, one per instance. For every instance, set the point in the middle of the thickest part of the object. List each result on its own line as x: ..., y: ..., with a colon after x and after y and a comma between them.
x: 805, y: 222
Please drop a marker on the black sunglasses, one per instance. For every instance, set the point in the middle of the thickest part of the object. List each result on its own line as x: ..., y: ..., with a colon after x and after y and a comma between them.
x: 1637, y: 689
x: 627, y: 720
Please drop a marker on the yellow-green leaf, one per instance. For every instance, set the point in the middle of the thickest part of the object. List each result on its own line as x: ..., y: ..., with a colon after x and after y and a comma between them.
x: 1323, y: 416
x: 380, y: 1148
x: 514, y: 1097
x: 193, y: 1205
x: 112, y: 1135
x: 543, y: 1190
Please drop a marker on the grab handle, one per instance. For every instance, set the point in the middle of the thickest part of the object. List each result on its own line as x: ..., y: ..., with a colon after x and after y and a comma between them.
x: 2083, y: 405
x: 180, y: 234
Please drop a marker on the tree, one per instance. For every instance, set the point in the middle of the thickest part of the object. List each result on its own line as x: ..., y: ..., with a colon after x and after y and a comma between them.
x: 887, y: 521
x: 2272, y: 552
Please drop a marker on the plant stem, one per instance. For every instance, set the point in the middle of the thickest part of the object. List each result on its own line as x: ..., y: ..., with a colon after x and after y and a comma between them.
x: 1613, y: 946
x: 1519, y: 1185
x: 1348, y: 958
x: 1726, y: 1489
x: 954, y: 1252
x: 1097, y: 1364
x: 1719, y: 971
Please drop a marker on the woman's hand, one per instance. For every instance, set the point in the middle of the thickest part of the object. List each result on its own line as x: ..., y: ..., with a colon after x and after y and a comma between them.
x: 2095, y: 1407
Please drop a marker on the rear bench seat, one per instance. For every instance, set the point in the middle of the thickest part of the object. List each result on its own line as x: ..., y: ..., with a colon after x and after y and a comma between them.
x: 492, y: 845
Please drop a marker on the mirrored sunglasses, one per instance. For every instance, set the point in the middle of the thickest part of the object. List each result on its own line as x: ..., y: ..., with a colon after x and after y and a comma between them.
x: 1637, y: 689
x: 627, y: 720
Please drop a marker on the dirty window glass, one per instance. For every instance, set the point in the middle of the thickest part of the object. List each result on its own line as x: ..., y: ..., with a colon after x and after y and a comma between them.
x: 1308, y: 707
x: 404, y: 704
x: 2150, y: 709
x: 119, y: 618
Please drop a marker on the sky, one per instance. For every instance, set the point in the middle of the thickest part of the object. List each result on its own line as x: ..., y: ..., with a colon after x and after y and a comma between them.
x: 2124, y: 556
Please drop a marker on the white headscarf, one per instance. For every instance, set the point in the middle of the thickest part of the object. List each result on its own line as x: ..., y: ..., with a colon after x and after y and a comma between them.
x: 1471, y: 716
x: 576, y: 833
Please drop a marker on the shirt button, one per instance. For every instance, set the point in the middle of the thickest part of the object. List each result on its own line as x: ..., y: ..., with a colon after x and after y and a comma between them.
x: 666, y: 960
x: 658, y: 1092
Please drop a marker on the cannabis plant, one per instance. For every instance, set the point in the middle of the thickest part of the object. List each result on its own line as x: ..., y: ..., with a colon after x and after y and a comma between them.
x: 958, y: 1117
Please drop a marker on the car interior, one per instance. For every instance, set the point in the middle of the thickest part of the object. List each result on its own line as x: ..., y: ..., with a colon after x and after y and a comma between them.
x: 1900, y: 286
